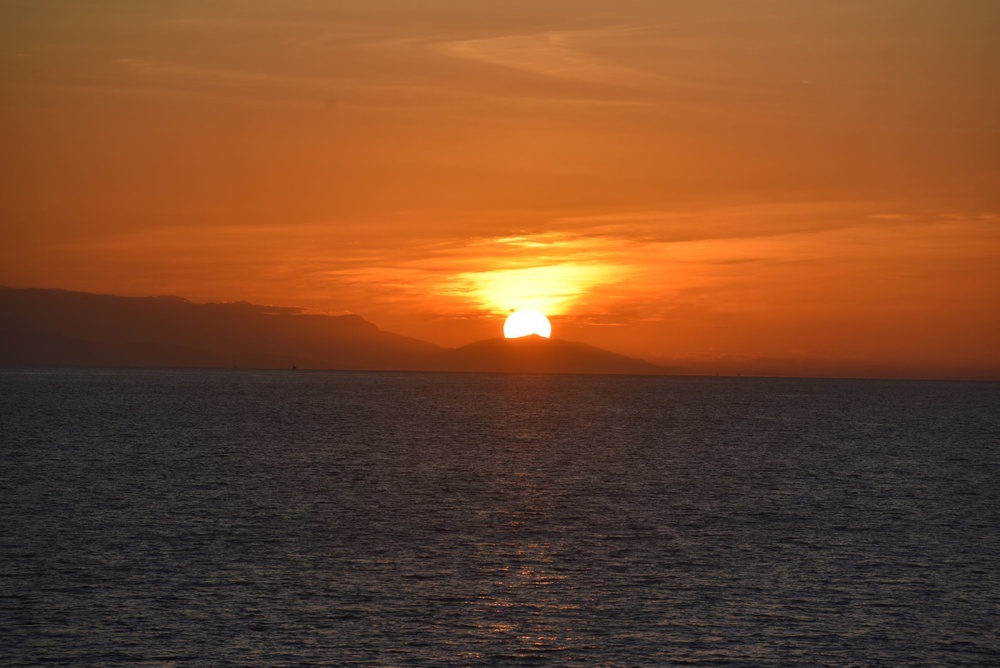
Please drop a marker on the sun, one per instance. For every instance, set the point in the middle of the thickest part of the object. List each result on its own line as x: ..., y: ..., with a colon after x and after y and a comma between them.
x: 526, y: 322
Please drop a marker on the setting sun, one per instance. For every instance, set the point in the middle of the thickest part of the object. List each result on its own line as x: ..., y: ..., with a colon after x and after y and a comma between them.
x: 526, y: 322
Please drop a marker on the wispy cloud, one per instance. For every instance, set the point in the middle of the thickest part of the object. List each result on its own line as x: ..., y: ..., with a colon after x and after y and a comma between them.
x: 555, y: 54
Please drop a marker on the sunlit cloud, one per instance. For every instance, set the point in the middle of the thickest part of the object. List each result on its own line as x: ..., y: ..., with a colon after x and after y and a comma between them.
x: 549, y: 272
x: 557, y: 54
x: 609, y: 269
x: 551, y: 289
x: 276, y: 86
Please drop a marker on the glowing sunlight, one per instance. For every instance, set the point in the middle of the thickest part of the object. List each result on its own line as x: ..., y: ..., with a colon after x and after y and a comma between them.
x: 549, y: 289
x: 525, y: 323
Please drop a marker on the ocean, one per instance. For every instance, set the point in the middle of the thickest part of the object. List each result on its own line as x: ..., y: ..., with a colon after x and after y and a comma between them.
x: 279, y: 518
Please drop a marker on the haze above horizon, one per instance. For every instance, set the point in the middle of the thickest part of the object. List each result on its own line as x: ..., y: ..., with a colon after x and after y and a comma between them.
x: 771, y: 185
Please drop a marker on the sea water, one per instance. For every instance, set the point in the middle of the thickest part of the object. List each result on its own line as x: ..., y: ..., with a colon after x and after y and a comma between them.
x: 251, y: 518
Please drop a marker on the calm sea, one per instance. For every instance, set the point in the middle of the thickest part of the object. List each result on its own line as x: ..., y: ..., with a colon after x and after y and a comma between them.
x: 175, y: 518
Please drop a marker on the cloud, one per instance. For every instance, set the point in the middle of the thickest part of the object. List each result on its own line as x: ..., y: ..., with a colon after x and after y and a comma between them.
x: 618, y: 269
x: 556, y: 54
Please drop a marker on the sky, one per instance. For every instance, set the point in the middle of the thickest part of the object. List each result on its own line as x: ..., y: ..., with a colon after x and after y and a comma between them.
x: 769, y: 187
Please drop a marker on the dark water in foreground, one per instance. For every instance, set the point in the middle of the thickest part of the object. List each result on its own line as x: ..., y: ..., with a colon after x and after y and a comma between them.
x: 279, y: 518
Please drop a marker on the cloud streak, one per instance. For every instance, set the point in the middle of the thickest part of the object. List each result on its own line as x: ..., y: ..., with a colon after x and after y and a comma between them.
x: 554, y: 54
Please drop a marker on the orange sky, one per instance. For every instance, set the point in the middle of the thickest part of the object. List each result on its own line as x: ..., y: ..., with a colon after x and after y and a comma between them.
x: 755, y: 186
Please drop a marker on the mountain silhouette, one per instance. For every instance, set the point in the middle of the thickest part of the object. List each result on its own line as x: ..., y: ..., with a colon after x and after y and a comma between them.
x: 535, y: 354
x: 41, y: 327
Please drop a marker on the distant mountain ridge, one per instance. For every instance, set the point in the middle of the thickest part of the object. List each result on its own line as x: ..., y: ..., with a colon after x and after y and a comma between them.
x: 534, y: 354
x: 40, y: 327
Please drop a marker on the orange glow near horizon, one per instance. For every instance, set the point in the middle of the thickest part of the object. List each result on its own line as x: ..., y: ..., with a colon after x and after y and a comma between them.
x: 786, y: 188
x: 551, y: 289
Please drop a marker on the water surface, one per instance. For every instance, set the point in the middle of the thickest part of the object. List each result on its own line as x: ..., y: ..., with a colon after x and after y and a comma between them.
x: 369, y: 519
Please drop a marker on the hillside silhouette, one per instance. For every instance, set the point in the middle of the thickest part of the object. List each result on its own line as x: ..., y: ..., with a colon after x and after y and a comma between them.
x: 535, y: 354
x: 62, y: 328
